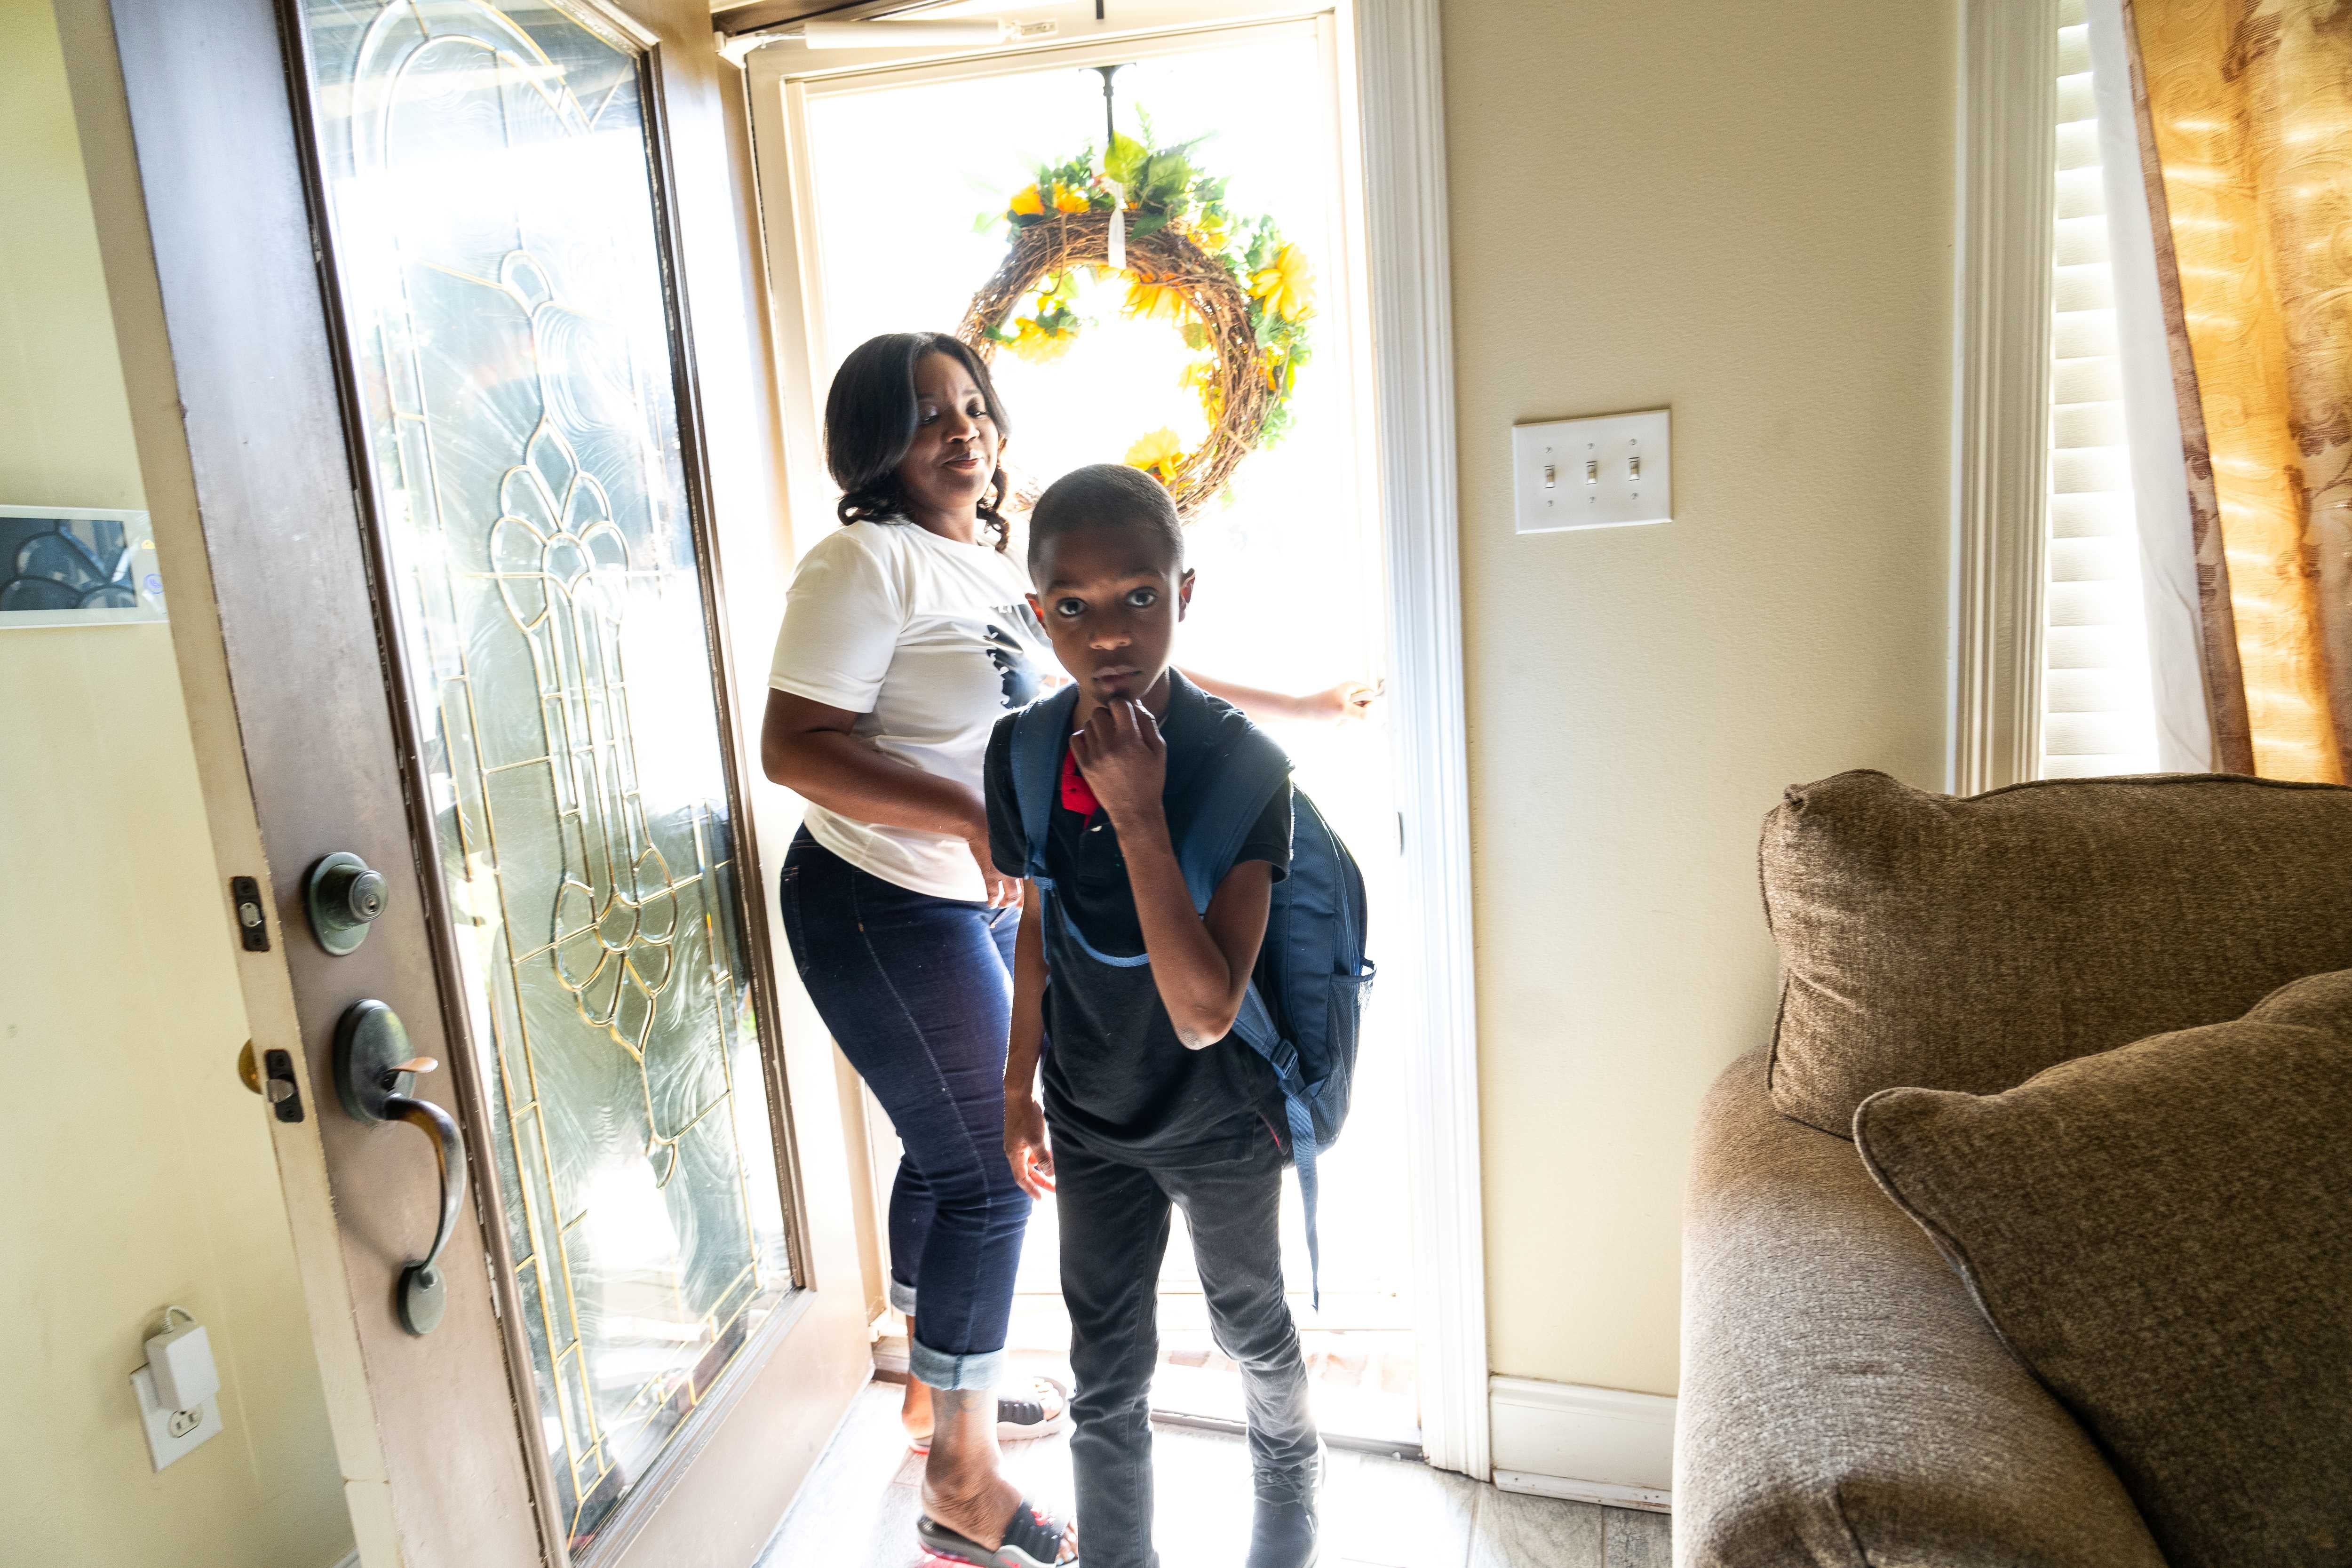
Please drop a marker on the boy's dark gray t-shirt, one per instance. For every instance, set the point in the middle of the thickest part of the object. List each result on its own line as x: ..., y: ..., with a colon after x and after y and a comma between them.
x: 1115, y: 1073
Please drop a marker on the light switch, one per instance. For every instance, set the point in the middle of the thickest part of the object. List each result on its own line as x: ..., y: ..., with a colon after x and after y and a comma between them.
x: 1621, y: 463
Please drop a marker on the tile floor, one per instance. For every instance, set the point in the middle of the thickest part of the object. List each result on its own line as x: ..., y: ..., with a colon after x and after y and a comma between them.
x: 858, y: 1508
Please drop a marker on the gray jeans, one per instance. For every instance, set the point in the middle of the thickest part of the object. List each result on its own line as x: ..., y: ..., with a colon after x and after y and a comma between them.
x: 1114, y: 1219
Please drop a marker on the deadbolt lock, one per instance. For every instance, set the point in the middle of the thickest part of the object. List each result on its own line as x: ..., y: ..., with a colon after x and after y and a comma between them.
x: 344, y: 895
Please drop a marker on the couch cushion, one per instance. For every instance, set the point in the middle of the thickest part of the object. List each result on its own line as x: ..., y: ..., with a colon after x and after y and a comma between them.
x: 2164, y: 1234
x: 1842, y: 1402
x: 1969, y: 944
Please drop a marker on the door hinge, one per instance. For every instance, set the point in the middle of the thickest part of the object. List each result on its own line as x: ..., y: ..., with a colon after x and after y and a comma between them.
x: 252, y: 919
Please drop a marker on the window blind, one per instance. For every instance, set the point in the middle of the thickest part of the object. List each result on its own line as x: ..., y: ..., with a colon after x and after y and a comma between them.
x: 2097, y: 714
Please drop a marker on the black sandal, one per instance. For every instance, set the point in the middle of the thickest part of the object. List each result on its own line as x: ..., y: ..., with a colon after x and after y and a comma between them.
x: 1032, y: 1538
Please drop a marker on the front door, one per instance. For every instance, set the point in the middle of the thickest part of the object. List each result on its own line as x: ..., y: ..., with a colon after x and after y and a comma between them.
x: 422, y: 268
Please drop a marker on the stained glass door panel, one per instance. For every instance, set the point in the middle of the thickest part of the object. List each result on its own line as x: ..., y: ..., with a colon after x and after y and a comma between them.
x: 491, y: 201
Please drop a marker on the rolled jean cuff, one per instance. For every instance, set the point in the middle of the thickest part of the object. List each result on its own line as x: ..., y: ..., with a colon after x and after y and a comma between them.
x: 937, y: 1369
x: 902, y: 1298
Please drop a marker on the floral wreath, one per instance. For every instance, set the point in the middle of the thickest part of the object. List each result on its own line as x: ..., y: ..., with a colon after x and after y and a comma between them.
x: 1239, y: 293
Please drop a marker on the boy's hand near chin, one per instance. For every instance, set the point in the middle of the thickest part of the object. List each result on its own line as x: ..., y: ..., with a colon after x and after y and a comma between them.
x: 1123, y: 760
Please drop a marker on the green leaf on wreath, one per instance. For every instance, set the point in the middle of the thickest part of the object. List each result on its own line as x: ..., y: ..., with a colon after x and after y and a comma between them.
x: 1126, y: 161
x: 1196, y: 334
x: 1146, y: 223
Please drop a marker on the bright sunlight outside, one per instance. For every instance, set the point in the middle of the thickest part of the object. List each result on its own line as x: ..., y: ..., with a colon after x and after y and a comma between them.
x: 911, y: 178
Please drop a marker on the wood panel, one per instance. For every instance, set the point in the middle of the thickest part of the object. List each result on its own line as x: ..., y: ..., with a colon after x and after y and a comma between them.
x: 236, y: 377
x: 256, y: 385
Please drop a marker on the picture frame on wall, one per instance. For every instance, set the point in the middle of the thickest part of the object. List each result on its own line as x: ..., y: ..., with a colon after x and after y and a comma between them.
x: 77, y: 566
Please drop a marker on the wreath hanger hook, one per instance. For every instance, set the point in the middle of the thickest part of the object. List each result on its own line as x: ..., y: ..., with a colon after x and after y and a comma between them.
x: 1110, y: 124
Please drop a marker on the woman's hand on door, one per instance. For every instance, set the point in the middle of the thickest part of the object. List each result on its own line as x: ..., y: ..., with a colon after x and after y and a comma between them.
x: 1349, y: 699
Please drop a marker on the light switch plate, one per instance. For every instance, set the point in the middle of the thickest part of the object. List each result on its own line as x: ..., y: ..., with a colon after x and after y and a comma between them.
x: 172, y: 1434
x: 1608, y: 472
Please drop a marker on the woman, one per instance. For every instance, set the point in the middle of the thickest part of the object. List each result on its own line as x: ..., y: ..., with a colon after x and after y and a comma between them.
x: 906, y: 637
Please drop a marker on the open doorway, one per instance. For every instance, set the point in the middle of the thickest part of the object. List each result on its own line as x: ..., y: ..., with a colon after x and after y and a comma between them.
x: 880, y: 181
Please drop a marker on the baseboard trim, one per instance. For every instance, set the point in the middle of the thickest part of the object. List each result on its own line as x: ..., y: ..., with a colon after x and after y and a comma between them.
x: 1592, y: 1445
x: 348, y: 1559
x: 1647, y: 1498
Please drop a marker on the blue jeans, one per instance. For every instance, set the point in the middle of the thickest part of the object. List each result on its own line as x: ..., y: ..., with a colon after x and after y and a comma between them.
x: 918, y: 992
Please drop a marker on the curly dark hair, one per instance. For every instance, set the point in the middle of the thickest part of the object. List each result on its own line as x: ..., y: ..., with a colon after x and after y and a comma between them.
x: 869, y: 424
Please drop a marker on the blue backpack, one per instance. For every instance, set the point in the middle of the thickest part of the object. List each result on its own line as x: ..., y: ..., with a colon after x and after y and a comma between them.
x: 1305, y: 998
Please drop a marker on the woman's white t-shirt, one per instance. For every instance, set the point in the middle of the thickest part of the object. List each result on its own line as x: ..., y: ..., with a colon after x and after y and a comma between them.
x: 931, y: 642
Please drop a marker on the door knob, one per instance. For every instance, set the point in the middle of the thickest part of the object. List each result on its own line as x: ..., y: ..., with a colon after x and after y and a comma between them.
x: 344, y: 895
x: 375, y: 1074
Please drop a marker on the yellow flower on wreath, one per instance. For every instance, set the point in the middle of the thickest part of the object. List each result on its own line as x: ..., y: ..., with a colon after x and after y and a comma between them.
x: 1210, y: 231
x: 1286, y: 284
x: 1160, y: 453
x: 1031, y: 203
x: 1201, y: 375
x: 1036, y: 344
x: 1149, y: 301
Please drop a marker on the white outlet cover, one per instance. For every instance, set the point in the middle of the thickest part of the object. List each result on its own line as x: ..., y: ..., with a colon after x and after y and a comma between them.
x: 1608, y: 472
x: 164, y: 1445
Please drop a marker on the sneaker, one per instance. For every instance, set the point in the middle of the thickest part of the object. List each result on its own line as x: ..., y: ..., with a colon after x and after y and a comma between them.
x: 1042, y: 1409
x: 1285, y: 1531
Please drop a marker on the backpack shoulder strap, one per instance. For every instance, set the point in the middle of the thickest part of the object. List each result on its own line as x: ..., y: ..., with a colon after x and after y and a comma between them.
x: 1039, y: 732
x: 1244, y: 780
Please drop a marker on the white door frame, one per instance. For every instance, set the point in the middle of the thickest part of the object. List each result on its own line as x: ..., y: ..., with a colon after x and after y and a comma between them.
x: 1393, y: 102
x: 1401, y: 81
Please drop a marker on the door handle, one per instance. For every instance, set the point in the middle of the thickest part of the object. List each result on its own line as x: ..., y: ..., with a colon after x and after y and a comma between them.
x: 375, y: 1074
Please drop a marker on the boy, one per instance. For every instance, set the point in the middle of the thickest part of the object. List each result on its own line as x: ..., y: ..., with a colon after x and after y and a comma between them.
x: 1149, y: 1101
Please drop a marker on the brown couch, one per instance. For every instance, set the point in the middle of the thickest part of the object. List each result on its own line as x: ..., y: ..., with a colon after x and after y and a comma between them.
x: 1843, y: 1399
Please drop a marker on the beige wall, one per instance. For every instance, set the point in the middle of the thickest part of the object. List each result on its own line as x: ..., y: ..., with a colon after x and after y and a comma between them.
x: 1742, y: 211
x: 138, y: 1169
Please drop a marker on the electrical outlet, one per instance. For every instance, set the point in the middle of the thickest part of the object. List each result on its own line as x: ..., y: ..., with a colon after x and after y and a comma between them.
x: 172, y: 1434
x: 1608, y: 472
